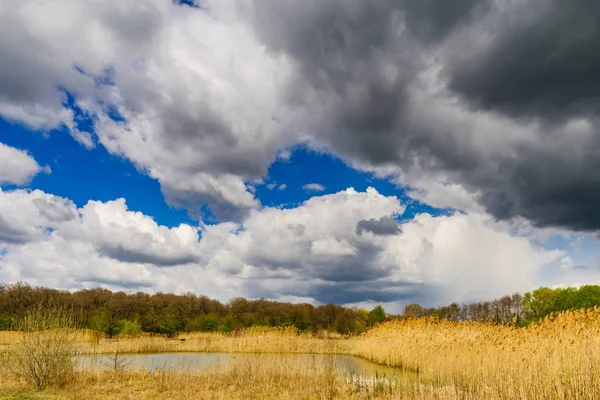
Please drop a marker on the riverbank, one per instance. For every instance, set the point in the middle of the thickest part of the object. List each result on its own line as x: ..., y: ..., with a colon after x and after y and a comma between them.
x: 558, y: 358
x: 251, y: 340
x: 249, y: 381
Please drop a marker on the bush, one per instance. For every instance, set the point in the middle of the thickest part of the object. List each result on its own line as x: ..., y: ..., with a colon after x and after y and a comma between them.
x: 5, y: 322
x: 44, y: 354
x: 129, y: 328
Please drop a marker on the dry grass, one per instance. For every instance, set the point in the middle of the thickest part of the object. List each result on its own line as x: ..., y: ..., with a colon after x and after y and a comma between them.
x: 252, y: 340
x: 558, y: 358
x: 251, y: 380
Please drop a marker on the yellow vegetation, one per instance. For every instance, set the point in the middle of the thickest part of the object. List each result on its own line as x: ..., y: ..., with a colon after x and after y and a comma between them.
x: 251, y: 340
x: 558, y: 358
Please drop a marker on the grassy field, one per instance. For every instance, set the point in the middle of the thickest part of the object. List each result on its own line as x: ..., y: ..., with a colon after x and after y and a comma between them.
x: 558, y: 358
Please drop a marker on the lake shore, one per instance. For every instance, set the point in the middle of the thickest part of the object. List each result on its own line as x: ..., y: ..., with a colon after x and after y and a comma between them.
x: 557, y: 358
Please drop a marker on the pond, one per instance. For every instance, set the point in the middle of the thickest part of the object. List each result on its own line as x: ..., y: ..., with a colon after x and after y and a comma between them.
x: 191, y: 362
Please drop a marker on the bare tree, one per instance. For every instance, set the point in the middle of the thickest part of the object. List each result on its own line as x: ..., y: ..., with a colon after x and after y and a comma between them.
x: 43, y: 355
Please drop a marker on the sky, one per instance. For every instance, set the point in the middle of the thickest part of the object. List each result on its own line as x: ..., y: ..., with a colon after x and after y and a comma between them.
x: 385, y: 152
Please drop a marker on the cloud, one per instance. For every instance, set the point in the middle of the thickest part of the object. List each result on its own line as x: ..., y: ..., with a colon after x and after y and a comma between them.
x: 422, y: 92
x: 132, y: 237
x: 283, y: 186
x: 173, y: 76
x: 109, y: 228
x: 553, y: 72
x: 382, y: 226
x: 284, y: 155
x: 17, y: 167
x: 316, y: 251
x: 205, y: 99
x: 313, y: 187
x: 28, y: 215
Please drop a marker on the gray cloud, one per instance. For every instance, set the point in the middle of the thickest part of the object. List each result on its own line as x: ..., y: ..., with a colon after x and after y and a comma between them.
x: 314, y: 187
x: 377, y: 291
x: 432, y: 20
x: 532, y: 81
x: 541, y: 61
x: 348, y: 292
x: 382, y: 226
x: 55, y: 209
x: 125, y: 254
x: 9, y: 233
x: 499, y: 97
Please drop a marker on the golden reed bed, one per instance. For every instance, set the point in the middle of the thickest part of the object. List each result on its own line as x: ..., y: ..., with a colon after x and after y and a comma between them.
x: 558, y: 358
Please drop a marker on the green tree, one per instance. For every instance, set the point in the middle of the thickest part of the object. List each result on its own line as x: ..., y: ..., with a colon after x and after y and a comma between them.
x: 100, y: 324
x: 228, y: 324
x: 129, y: 328
x: 540, y: 303
x: 5, y: 322
x: 377, y: 315
x: 362, y: 320
x: 588, y: 296
x: 170, y: 325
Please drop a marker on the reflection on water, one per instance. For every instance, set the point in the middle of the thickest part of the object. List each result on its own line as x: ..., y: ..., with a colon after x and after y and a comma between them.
x: 204, y: 361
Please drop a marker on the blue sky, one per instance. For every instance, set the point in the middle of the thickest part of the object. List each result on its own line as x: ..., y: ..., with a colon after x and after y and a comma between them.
x: 82, y: 174
x: 185, y: 145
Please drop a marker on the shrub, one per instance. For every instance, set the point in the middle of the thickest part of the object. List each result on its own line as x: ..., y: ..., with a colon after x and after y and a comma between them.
x: 43, y: 356
x: 129, y: 328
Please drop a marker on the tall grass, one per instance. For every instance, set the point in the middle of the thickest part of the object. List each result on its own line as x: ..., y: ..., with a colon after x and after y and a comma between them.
x: 251, y: 340
x: 270, y: 379
x: 558, y: 358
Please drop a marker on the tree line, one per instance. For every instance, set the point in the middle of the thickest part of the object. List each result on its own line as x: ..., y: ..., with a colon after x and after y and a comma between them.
x: 515, y: 309
x: 131, y: 313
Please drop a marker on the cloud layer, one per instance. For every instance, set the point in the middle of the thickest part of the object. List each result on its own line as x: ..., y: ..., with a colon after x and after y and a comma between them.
x: 491, y: 102
x: 343, y: 247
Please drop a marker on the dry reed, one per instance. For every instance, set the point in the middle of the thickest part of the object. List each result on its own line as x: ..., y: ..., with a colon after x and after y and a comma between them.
x: 558, y: 358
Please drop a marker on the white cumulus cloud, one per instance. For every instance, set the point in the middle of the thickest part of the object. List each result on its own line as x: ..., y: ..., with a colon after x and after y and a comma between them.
x: 17, y: 167
x: 347, y: 247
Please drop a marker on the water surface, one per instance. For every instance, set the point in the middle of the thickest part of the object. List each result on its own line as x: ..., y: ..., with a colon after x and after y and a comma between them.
x: 193, y: 362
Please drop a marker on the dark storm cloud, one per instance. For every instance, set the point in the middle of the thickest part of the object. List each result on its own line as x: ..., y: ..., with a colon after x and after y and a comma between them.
x: 433, y: 19
x: 542, y: 62
x: 377, y: 291
x: 550, y: 190
x: 350, y: 292
x: 358, y: 267
x: 357, y: 62
x: 355, y: 58
x: 359, y: 65
x: 384, y: 226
